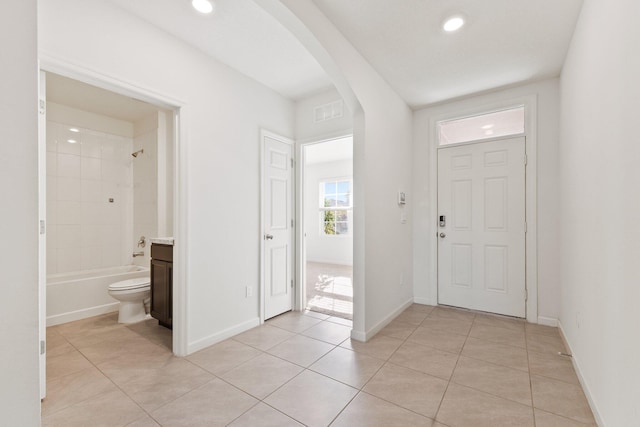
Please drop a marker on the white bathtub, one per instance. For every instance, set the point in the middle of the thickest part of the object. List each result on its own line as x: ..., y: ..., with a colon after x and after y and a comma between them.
x: 82, y: 294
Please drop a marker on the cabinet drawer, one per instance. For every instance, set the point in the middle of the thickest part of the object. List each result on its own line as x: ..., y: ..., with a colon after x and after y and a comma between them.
x: 162, y: 252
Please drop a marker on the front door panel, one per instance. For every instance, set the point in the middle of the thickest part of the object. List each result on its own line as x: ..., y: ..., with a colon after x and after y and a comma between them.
x: 481, y: 247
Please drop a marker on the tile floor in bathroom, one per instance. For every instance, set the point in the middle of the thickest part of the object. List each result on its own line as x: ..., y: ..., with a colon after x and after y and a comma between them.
x: 430, y: 367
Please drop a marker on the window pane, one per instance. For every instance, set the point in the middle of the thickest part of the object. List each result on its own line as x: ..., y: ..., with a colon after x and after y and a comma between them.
x: 341, y: 215
x: 330, y: 201
x: 344, y: 187
x: 485, y: 126
x: 344, y: 200
x: 329, y: 228
x: 329, y: 188
x: 342, y: 228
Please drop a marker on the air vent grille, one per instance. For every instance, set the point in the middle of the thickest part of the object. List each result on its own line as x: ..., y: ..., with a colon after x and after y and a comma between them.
x: 332, y: 110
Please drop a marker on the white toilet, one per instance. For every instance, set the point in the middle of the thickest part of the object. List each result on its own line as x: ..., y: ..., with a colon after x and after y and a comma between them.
x: 133, y: 295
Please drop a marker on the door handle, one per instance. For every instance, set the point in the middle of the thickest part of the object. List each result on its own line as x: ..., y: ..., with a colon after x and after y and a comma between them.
x: 268, y: 236
x: 442, y: 235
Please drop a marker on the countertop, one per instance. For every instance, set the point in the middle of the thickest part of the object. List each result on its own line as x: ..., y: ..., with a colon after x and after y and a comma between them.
x: 162, y: 240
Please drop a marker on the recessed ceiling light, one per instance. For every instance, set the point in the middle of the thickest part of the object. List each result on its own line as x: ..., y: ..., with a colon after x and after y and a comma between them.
x: 487, y: 126
x: 202, y: 6
x: 71, y: 141
x: 74, y: 130
x: 453, y: 24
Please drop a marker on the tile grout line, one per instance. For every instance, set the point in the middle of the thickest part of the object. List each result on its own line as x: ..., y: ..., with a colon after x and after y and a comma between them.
x: 359, y: 390
x: 112, y: 382
x: 435, y: 417
x: 526, y: 347
x: 74, y: 373
x: 286, y: 382
x: 388, y: 361
x: 148, y: 413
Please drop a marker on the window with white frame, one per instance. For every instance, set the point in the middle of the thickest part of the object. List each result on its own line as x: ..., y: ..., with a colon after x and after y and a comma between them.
x: 336, y: 205
x: 494, y: 124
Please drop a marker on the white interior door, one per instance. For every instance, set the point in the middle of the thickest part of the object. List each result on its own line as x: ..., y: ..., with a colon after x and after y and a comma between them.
x: 42, y: 243
x: 277, y: 228
x: 481, y: 244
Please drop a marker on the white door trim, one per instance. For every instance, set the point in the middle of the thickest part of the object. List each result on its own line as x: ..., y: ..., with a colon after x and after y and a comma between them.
x: 180, y: 108
x: 531, y: 246
x: 294, y: 250
x: 42, y: 248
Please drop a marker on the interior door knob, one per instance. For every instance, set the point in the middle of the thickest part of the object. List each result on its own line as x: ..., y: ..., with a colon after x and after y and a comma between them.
x: 442, y: 235
x: 268, y: 236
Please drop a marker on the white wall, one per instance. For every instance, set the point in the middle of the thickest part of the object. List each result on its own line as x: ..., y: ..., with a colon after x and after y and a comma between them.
x: 600, y: 183
x: 548, y: 192
x: 308, y: 130
x: 84, y: 230
x: 19, y: 393
x: 382, y: 274
x: 222, y: 118
x: 320, y: 247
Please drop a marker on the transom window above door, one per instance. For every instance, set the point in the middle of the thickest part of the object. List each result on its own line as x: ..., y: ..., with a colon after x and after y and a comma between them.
x: 483, y: 126
x: 336, y: 205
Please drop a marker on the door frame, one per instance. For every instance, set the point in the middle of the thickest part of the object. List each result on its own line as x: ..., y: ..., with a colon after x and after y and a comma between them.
x: 531, y: 200
x: 180, y: 111
x: 301, y: 256
x: 294, y: 247
x: 42, y: 235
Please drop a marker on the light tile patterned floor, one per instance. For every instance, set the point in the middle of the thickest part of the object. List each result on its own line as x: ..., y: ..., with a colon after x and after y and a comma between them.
x: 329, y: 289
x: 431, y: 367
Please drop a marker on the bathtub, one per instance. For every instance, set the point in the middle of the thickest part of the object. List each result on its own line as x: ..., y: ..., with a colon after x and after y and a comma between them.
x: 82, y: 294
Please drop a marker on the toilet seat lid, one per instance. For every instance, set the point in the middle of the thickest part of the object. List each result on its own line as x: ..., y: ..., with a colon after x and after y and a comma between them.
x: 139, y: 282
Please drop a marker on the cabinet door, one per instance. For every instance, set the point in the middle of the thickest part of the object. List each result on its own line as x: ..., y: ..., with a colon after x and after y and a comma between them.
x: 160, y: 290
x: 169, y: 280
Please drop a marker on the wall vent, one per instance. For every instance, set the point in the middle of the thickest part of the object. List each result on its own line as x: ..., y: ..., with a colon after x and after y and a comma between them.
x: 332, y: 110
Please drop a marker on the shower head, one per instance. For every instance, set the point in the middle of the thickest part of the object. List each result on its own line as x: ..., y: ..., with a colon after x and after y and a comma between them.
x: 137, y: 152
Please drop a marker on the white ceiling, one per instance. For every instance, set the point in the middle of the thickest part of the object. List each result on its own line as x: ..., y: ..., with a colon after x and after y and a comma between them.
x: 329, y: 151
x: 504, y: 42
x: 73, y: 93
x: 242, y: 35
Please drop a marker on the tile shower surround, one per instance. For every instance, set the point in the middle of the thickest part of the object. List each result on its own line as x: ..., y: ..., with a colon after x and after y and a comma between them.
x: 84, y: 230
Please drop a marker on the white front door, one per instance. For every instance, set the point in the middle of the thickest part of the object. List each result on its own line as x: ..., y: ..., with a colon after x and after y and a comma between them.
x: 277, y: 220
x: 481, y: 226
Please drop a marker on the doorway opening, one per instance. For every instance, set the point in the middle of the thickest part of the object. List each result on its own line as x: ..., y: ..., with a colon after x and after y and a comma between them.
x: 327, y: 214
x: 107, y: 174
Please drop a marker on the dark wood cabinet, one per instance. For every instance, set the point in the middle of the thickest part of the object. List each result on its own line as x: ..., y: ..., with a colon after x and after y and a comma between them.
x: 162, y: 284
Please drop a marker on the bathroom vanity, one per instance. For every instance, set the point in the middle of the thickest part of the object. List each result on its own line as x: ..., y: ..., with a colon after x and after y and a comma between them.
x: 162, y: 280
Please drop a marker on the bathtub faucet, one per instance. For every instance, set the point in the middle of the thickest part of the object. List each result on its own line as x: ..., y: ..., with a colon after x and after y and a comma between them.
x: 141, y: 253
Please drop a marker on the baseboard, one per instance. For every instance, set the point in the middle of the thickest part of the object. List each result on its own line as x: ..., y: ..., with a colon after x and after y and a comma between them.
x: 424, y: 301
x: 71, y: 316
x: 548, y: 321
x: 222, y: 335
x: 358, y: 335
x: 583, y: 381
x: 366, y: 336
